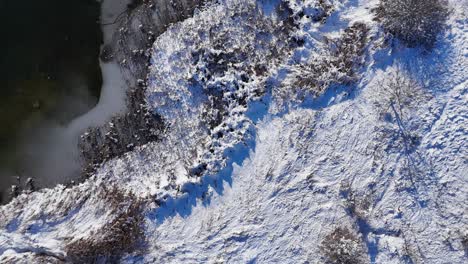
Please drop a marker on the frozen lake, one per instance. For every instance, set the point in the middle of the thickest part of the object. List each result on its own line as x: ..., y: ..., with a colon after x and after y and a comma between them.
x: 50, y: 75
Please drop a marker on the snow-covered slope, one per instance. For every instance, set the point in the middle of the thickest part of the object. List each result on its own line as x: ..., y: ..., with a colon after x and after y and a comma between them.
x: 258, y: 167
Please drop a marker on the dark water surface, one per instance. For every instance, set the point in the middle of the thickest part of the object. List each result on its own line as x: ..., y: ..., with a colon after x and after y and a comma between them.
x: 49, y: 74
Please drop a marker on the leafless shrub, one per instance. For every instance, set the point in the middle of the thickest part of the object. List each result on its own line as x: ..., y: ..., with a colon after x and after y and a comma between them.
x: 348, y: 50
x: 124, y: 234
x: 415, y: 22
x: 358, y: 205
x: 338, y: 64
x: 397, y: 97
x: 14, y: 191
x: 310, y: 180
x: 464, y: 241
x: 399, y: 92
x: 343, y: 246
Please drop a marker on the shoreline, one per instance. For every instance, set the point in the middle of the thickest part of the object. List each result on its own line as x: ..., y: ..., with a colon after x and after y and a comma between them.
x: 124, y: 69
x: 128, y: 45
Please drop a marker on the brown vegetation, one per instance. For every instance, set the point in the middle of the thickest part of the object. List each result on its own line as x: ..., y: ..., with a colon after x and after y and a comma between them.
x: 414, y: 22
x: 123, y: 234
x: 342, y: 246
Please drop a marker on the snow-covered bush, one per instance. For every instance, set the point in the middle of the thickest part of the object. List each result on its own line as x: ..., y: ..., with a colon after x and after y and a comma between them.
x: 342, y: 246
x: 415, y: 22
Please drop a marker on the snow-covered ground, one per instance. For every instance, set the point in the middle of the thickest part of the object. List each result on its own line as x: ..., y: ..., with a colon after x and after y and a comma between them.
x: 250, y: 172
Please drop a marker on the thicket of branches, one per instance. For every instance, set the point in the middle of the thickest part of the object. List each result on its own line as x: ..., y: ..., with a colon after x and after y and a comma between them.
x: 343, y: 246
x: 138, y: 126
x: 414, y: 22
x: 338, y: 63
x: 399, y: 93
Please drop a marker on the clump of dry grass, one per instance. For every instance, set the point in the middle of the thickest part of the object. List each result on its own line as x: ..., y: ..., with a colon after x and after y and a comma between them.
x: 123, y: 234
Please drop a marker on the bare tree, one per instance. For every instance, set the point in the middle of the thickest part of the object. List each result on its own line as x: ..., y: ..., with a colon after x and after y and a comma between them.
x: 399, y: 93
x: 399, y: 97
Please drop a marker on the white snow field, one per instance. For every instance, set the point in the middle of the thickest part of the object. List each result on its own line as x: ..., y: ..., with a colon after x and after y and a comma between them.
x: 256, y: 168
